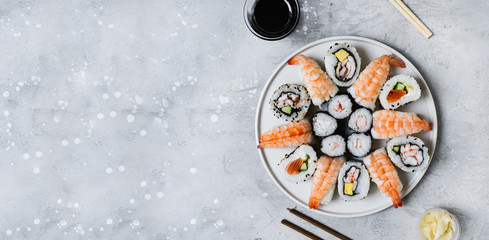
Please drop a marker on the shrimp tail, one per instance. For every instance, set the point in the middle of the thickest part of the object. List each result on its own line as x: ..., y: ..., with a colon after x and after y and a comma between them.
x: 293, y: 60
x: 397, y: 62
x: 425, y: 125
x: 260, y: 146
x: 396, y: 200
x: 313, y: 203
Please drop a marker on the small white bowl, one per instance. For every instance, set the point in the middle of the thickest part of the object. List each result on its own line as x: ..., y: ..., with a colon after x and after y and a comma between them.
x: 456, y: 234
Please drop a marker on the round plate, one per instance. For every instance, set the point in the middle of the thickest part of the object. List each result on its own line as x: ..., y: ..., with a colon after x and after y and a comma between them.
x: 265, y: 120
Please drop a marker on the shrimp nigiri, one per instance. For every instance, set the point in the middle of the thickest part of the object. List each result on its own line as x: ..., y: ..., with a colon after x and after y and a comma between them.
x: 389, y: 124
x: 288, y: 135
x: 325, y: 179
x: 320, y: 87
x: 384, y: 175
x: 367, y: 87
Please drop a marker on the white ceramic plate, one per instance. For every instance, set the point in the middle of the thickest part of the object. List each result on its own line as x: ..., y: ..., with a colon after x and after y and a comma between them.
x: 368, y: 50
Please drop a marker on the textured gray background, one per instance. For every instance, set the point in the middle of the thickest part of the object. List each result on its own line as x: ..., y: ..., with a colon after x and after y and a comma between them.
x: 135, y: 119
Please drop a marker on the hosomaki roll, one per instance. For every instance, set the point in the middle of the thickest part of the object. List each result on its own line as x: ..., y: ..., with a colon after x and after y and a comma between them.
x: 333, y: 146
x: 359, y: 144
x: 323, y: 124
x: 340, y: 106
x: 360, y: 120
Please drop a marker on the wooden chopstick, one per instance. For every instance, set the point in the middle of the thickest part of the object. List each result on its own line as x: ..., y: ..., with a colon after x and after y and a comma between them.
x: 318, y: 224
x: 411, y: 17
x: 300, y: 230
x: 406, y: 9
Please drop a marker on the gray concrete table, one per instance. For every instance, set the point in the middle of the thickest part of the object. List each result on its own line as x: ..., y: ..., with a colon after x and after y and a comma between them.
x: 135, y: 119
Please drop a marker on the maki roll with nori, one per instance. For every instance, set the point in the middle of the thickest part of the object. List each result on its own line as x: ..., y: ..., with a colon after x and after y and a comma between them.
x: 340, y: 106
x: 333, y: 146
x: 408, y: 153
x: 353, y: 181
x: 323, y: 124
x: 359, y: 144
x: 342, y: 64
x: 290, y: 102
x: 398, y: 91
x: 299, y: 165
x: 360, y: 120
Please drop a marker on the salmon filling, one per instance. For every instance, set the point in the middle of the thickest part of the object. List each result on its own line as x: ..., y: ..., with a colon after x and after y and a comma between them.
x: 297, y: 166
x: 395, y: 95
x: 339, y: 107
x: 294, y: 166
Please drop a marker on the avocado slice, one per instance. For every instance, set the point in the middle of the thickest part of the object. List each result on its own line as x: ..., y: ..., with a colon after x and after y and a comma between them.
x: 399, y: 86
x: 303, y: 167
x: 396, y: 149
x: 287, y: 109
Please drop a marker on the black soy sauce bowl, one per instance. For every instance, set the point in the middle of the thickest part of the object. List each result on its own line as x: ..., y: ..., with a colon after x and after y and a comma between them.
x: 248, y: 12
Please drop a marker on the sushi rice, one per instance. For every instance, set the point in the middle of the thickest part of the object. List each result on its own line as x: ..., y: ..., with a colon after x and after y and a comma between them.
x: 290, y: 102
x: 359, y: 144
x: 323, y: 124
x: 408, y: 153
x: 340, y: 106
x: 398, y: 91
x: 299, y: 165
x: 329, y: 196
x: 353, y: 181
x: 333, y: 146
x: 360, y: 120
x: 342, y: 64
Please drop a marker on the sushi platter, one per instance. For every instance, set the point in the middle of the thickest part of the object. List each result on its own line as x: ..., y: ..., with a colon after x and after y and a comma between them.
x: 339, y: 115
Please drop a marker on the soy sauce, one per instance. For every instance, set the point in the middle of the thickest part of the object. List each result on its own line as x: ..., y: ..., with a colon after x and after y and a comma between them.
x: 271, y: 19
x: 272, y: 16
